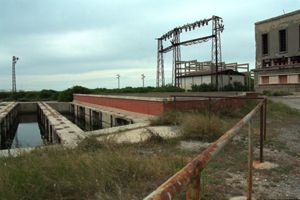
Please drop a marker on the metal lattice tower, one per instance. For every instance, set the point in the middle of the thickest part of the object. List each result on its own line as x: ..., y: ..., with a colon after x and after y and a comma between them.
x: 174, y: 37
x: 216, y: 54
x: 14, y: 84
x: 176, y: 58
x: 160, y: 76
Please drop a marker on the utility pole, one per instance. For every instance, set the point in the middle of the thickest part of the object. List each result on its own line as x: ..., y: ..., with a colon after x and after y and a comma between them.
x: 143, y: 78
x: 118, y: 77
x: 14, y: 84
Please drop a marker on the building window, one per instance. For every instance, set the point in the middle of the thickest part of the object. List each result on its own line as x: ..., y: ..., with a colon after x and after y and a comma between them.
x: 265, y: 45
x: 282, y: 40
x: 283, y: 79
x: 264, y: 80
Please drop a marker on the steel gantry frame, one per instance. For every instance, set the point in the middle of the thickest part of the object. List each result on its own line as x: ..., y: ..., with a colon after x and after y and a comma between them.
x: 174, y: 37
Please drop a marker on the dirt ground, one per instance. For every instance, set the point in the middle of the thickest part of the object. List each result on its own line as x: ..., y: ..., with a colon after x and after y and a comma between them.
x: 226, y: 176
x: 282, y: 149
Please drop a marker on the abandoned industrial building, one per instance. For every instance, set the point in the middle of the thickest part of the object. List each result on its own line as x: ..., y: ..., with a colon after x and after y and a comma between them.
x: 197, y: 73
x: 278, y: 53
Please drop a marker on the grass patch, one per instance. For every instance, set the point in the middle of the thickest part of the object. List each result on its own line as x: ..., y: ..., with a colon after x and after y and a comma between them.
x: 193, y: 125
x: 166, y: 118
x: 95, y: 171
x: 202, y: 127
x: 281, y: 110
x: 277, y: 93
x: 105, y: 170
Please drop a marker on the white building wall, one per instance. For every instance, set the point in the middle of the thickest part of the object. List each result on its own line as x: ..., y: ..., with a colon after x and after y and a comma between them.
x: 273, y: 80
x: 293, y: 79
x: 187, y: 82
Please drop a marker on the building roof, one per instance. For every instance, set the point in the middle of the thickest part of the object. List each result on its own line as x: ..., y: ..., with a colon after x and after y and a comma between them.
x: 278, y: 17
x: 209, y: 72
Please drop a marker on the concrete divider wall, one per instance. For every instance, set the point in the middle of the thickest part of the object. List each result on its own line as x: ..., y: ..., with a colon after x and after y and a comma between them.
x: 57, y: 128
x: 8, y: 114
x: 28, y: 107
x: 62, y: 107
x: 94, y: 115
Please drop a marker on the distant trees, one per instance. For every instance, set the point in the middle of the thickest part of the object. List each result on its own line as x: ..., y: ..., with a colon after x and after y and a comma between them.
x: 67, y: 95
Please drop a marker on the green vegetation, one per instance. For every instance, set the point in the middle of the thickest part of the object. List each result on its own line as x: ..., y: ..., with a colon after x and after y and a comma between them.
x: 203, y: 124
x: 201, y: 127
x: 281, y: 110
x: 276, y: 93
x: 67, y: 95
x: 236, y: 86
x: 105, y: 170
x: 92, y: 171
x: 193, y: 125
x: 204, y: 88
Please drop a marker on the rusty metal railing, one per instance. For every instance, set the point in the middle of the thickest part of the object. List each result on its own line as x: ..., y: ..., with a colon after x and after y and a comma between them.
x: 188, y: 178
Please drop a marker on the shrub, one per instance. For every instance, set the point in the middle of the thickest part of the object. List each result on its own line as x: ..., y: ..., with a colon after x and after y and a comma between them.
x: 203, y: 88
x: 166, y: 118
x: 276, y: 93
x: 202, y: 127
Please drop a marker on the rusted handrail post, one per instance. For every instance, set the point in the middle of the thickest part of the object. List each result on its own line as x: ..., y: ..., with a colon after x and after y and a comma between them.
x: 193, y: 191
x: 209, y: 107
x: 184, y: 177
x: 261, y: 134
x: 175, y: 102
x: 265, y: 118
x: 250, y: 160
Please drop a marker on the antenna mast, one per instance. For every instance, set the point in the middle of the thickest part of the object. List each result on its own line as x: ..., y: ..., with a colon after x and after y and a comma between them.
x: 14, y: 84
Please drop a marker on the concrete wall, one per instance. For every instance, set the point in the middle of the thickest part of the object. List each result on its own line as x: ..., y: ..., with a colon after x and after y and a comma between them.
x: 187, y: 82
x: 28, y: 107
x: 8, y: 114
x: 94, y: 116
x: 290, y: 22
x: 62, y: 107
x: 289, y: 87
x: 57, y: 128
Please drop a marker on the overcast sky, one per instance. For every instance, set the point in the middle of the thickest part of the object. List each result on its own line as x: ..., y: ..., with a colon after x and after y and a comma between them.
x: 62, y: 43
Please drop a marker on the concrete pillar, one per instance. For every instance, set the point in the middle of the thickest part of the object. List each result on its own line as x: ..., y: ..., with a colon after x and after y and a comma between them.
x: 50, y: 134
x: 112, y: 121
x: 106, y: 120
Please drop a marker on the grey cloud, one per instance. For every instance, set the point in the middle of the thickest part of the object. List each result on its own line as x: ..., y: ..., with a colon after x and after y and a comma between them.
x: 78, y: 36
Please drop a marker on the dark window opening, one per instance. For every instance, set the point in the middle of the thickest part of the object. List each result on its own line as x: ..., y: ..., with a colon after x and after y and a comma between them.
x: 280, y: 61
x: 265, y: 45
x: 265, y: 80
x: 283, y: 79
x: 120, y: 121
x: 295, y: 59
x: 282, y: 40
x: 266, y: 63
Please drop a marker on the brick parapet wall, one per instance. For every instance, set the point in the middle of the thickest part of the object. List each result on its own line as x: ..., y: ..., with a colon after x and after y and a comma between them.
x: 156, y: 106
